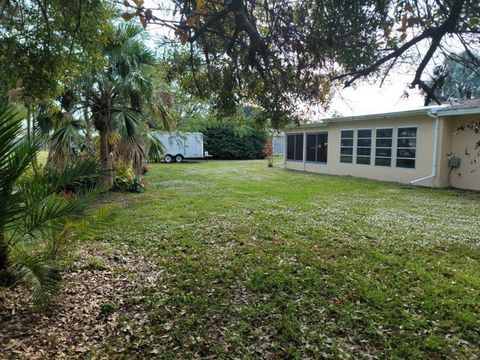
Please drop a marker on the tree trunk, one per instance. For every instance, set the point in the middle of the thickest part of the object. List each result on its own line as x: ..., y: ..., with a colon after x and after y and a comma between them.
x: 103, y: 147
x: 108, y: 180
x: 29, y: 128
x: 31, y: 136
x: 88, y: 127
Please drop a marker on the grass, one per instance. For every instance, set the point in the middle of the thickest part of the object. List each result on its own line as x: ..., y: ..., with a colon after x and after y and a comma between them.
x: 271, y: 263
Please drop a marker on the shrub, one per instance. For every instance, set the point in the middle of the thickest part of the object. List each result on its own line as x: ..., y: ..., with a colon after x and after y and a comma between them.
x: 268, y: 152
x: 41, y: 213
x: 224, y: 142
x: 125, y: 180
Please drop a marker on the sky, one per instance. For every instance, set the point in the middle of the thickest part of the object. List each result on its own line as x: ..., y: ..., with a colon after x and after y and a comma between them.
x: 371, y: 98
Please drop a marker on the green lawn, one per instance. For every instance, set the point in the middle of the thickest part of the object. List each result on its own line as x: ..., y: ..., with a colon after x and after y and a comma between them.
x: 260, y: 262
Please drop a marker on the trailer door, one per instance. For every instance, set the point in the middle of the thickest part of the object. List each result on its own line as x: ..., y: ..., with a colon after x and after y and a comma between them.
x: 193, y: 145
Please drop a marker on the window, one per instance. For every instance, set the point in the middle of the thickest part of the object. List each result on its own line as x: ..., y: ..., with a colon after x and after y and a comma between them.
x: 346, y: 146
x: 364, y: 146
x: 317, y: 146
x: 406, y: 147
x: 383, y: 147
x: 295, y: 147
x: 311, y: 147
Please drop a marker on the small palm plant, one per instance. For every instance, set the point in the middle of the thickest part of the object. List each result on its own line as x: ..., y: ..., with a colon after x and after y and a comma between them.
x: 41, y: 214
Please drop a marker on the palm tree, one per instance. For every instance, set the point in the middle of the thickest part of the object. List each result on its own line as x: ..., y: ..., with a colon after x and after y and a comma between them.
x: 63, y: 132
x: 40, y: 213
x: 117, y: 94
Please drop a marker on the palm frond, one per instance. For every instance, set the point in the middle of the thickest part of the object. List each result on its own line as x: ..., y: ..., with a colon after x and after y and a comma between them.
x: 16, y: 156
x: 156, y: 149
x: 65, y: 135
x: 38, y: 276
x: 126, y: 122
x: 10, y: 130
x: 43, y: 205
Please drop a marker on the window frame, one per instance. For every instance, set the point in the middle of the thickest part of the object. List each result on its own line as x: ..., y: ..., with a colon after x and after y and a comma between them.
x: 353, y: 147
x: 295, y: 135
x: 408, y: 148
x: 363, y: 147
x: 316, y: 133
x: 391, y: 148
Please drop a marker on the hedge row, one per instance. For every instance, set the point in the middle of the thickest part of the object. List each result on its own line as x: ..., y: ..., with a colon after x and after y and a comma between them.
x: 223, y: 142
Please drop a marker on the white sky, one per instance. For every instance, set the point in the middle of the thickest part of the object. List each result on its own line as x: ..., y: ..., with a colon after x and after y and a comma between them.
x: 370, y: 98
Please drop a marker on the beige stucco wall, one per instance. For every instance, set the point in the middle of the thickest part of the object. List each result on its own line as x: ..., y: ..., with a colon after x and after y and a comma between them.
x: 424, y: 153
x: 462, y: 144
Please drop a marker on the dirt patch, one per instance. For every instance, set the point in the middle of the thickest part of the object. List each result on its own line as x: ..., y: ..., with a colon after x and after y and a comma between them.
x: 101, y: 299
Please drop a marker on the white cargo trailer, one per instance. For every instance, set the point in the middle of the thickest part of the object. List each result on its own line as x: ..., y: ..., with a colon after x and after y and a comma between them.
x: 181, y: 145
x: 278, y: 143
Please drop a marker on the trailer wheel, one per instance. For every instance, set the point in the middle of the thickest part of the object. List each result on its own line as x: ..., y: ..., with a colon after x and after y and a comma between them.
x: 179, y: 158
x: 168, y: 159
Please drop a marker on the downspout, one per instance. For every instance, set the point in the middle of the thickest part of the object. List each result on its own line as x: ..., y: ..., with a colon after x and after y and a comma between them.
x: 435, y: 150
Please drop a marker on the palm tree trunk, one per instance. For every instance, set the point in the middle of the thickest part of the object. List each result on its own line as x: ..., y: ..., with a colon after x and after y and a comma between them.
x: 108, y: 180
x: 88, y: 126
x: 31, y: 135
x: 103, y: 147
x: 29, y: 129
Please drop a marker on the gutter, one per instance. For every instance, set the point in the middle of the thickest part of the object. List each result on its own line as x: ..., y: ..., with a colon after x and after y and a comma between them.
x: 388, y: 115
x: 459, y: 112
x: 435, y: 150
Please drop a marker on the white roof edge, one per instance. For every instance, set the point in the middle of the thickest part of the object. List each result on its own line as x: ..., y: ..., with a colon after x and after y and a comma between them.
x: 385, y: 115
x: 450, y: 112
x: 379, y: 115
x: 428, y: 110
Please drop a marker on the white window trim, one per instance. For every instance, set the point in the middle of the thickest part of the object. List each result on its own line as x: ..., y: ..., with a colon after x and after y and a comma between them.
x: 364, y: 147
x: 406, y: 137
x: 353, y: 147
x: 382, y: 147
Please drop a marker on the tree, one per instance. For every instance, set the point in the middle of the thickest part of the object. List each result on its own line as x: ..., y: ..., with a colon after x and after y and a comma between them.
x: 40, y: 214
x: 455, y: 78
x: 47, y: 42
x: 280, y: 53
x: 117, y: 94
x: 66, y: 134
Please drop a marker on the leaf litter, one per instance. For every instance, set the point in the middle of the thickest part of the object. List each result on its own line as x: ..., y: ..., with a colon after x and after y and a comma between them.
x: 100, y: 300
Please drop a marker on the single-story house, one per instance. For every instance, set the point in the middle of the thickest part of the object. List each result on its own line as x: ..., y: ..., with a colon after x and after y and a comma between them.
x: 422, y: 146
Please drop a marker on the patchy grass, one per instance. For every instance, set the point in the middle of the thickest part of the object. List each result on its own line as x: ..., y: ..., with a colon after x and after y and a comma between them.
x: 273, y: 263
x: 258, y: 262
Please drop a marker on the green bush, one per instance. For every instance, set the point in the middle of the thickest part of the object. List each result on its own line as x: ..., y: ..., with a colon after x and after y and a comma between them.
x: 223, y: 141
x: 125, y: 180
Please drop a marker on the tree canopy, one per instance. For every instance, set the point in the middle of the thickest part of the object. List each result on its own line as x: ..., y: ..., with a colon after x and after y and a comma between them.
x: 455, y: 78
x: 46, y: 42
x: 279, y: 53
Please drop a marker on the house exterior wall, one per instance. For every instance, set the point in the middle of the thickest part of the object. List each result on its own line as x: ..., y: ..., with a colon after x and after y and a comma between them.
x: 424, y: 151
x: 445, y: 137
x: 461, y: 144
